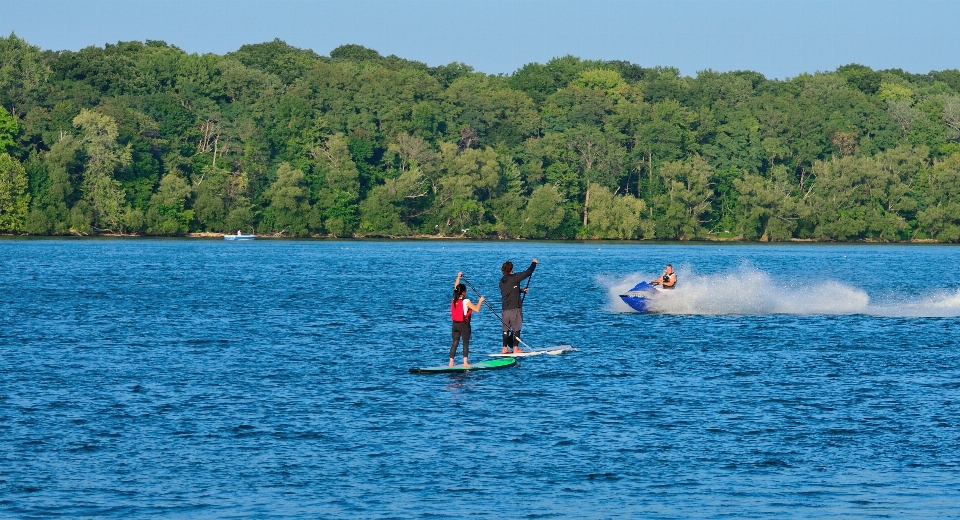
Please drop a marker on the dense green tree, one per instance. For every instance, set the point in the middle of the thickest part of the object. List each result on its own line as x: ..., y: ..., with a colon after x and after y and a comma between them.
x: 167, y: 214
x: 104, y: 155
x: 950, y: 115
x: 211, y: 196
x: 336, y: 185
x: 616, y: 217
x: 544, y: 212
x: 663, y: 133
x: 686, y: 199
x: 380, y: 211
x: 465, y: 177
x: 54, y: 191
x: 289, y: 210
x: 23, y: 74
x: 892, y: 194
x: 14, y: 197
x: 241, y: 216
x: 865, y: 197
x: 941, y: 187
x: 483, y: 112
x: 862, y: 78
x: 447, y: 74
x: 585, y: 102
x: 767, y: 209
x: 597, y: 158
x: 506, y: 207
x: 539, y: 81
x: 353, y: 52
x: 9, y: 128
x: 277, y: 58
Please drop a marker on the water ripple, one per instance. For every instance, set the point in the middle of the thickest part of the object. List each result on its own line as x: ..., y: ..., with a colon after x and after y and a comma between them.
x: 176, y: 378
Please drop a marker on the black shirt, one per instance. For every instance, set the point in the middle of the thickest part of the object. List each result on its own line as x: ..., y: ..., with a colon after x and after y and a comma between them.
x: 510, y: 288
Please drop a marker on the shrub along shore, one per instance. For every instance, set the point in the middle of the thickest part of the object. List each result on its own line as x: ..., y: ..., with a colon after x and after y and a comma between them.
x: 142, y: 138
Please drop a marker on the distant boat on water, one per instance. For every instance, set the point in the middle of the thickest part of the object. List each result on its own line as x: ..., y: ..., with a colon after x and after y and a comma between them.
x: 239, y: 236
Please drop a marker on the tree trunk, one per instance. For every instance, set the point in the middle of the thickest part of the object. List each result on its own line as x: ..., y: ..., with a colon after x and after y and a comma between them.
x: 586, y: 202
x: 215, y: 143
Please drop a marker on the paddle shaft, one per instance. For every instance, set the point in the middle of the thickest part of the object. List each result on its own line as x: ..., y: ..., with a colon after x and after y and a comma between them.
x: 487, y: 303
x: 523, y: 295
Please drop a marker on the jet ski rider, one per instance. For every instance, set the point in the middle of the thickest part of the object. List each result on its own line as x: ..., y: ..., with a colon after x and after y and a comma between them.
x: 668, y: 280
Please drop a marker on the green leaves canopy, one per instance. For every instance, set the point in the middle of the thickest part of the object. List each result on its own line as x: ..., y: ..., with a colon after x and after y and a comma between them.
x: 141, y: 137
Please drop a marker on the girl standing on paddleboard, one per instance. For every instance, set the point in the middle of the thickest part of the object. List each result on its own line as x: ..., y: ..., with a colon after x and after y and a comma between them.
x: 460, y: 310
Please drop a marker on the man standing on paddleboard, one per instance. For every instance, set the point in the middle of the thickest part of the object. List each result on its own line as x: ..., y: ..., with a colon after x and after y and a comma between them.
x: 511, y: 304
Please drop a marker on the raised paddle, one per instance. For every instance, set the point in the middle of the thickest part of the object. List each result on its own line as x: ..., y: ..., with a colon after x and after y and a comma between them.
x: 464, y: 278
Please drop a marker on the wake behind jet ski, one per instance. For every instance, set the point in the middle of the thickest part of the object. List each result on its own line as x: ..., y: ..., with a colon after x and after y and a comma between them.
x: 640, y: 296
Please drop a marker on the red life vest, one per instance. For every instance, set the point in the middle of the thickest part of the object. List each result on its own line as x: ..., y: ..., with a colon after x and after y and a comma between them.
x: 456, y: 311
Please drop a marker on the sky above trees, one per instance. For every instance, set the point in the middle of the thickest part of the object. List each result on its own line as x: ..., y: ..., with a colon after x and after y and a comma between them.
x: 779, y: 39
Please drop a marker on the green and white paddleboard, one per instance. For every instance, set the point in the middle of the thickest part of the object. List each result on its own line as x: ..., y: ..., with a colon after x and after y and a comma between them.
x: 491, y: 364
x: 553, y: 351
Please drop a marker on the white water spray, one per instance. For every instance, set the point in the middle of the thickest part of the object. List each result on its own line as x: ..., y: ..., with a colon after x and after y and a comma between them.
x: 944, y: 304
x: 751, y: 291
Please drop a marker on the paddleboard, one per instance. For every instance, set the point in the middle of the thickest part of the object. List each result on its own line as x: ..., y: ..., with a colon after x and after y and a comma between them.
x: 553, y: 351
x: 490, y: 364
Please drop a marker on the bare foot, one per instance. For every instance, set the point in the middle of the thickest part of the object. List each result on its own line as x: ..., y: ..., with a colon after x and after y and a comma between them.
x: 465, y: 362
x: 506, y: 350
x: 516, y: 350
x: 451, y: 362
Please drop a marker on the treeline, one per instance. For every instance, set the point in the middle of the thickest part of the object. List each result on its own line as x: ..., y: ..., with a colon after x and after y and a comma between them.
x: 143, y: 138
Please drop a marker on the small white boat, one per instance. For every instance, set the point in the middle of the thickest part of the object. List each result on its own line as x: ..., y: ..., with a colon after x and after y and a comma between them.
x: 239, y: 237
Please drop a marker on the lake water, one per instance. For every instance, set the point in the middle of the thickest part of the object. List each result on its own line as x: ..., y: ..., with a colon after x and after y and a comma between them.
x: 201, y: 378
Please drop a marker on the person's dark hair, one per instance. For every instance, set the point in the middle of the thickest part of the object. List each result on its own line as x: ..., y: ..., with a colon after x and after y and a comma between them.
x: 669, y: 265
x: 507, y: 267
x: 459, y: 291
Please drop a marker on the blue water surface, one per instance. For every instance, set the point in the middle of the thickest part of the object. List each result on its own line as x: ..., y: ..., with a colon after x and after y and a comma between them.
x: 200, y: 378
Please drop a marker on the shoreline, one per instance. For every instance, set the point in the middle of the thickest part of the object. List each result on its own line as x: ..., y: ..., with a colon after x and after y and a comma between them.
x: 210, y: 235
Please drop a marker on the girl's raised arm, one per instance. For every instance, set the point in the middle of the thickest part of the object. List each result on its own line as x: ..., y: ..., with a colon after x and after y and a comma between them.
x: 475, y: 307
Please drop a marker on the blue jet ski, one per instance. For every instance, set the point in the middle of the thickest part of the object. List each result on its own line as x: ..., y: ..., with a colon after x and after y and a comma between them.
x: 639, y: 297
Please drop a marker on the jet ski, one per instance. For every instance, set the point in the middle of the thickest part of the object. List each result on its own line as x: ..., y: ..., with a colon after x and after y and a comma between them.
x: 639, y: 297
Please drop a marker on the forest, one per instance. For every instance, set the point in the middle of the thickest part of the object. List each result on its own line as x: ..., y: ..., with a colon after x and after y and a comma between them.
x: 142, y: 138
